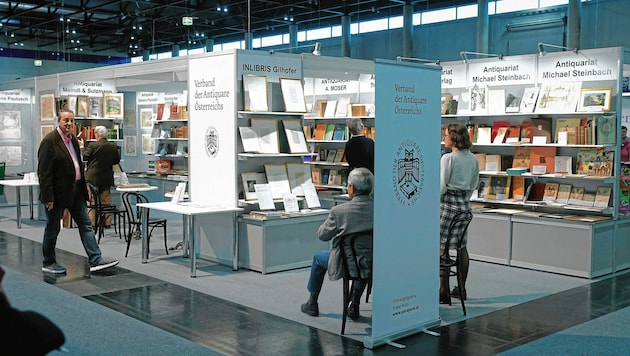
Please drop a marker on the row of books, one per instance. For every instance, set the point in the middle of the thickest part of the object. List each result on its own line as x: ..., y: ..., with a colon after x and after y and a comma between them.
x: 326, y: 132
x: 177, y: 149
x: 87, y: 132
x: 173, y: 132
x: 322, y: 154
x: 590, y: 161
x: 340, y: 108
x: 513, y: 188
x: 105, y: 105
x: 329, y: 176
x: 600, y: 130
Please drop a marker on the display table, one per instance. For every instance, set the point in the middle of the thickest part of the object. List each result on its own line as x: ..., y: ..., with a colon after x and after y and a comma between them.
x: 189, y: 210
x: 17, y: 184
x: 280, y: 244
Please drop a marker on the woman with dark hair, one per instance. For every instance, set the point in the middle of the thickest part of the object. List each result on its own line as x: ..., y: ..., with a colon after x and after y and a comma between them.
x: 459, y: 176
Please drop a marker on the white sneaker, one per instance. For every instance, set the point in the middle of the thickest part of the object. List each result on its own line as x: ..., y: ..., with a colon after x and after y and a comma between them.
x: 103, y: 264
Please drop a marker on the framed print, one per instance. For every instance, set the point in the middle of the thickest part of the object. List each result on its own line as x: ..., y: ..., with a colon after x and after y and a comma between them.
x: 130, y: 117
x: 96, y: 106
x: 47, y: 107
x: 46, y: 129
x: 113, y: 103
x: 594, y: 99
x: 130, y: 143
x: 83, y: 106
x: 249, y: 139
x: 249, y: 179
x: 255, y: 92
x: 277, y: 179
x: 267, y: 130
x: 295, y: 136
x: 12, y: 155
x: 558, y: 97
x: 146, y: 115
x: 298, y: 173
x: 293, y: 95
x: 10, y: 124
x: 148, y: 144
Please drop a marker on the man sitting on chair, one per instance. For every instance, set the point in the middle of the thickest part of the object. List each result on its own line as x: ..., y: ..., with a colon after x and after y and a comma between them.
x: 357, y: 215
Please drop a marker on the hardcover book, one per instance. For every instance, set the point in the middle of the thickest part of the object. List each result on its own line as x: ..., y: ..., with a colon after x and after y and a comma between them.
x: 567, y: 129
x: 602, y: 196
x: 482, y: 187
x: 513, y: 134
x: 551, y: 191
x: 563, y: 164
x: 320, y: 131
x: 542, y: 158
x: 499, y: 187
x: 521, y: 157
x: 528, y: 102
x: 577, y: 193
x: 484, y: 135
x: 606, y: 129
x: 541, y: 127
x: 330, y: 129
x: 518, y: 187
x: 493, y: 163
x: 481, y: 159
x: 564, y: 192
x: 499, y: 127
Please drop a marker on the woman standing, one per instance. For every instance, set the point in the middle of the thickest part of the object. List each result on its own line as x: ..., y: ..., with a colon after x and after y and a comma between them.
x: 459, y: 175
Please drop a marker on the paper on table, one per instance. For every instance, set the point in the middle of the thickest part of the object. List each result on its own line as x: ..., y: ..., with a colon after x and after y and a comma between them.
x: 290, y: 203
x: 310, y: 195
x: 263, y: 194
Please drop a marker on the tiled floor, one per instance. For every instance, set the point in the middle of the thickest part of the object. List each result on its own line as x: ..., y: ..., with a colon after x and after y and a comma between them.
x: 229, y: 328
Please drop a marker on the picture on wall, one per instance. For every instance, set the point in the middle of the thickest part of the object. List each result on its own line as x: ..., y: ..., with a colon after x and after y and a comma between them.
x: 10, y: 124
x: 293, y: 95
x: 46, y: 129
x: 255, y: 92
x: 12, y: 155
x: 47, y: 107
x: 130, y: 117
x: 130, y: 144
x: 146, y: 115
x: 113, y: 103
x: 148, y: 144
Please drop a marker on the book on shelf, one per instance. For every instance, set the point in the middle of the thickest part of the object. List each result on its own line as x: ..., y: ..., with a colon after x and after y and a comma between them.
x: 342, y: 107
x: 500, y: 136
x: 517, y: 171
x: 481, y: 159
x: 551, y: 191
x: 325, y: 175
x: 493, y: 163
x: 563, y: 164
x: 338, y: 132
x: 528, y: 102
x: 595, y: 161
x: 542, y: 159
x: 588, y: 199
x: 513, y: 134
x: 526, y: 131
x: 541, y: 128
x: 518, y: 187
x: 316, y: 175
x: 330, y: 130
x: 320, y: 131
x: 339, y: 155
x: 606, y: 129
x: 587, y: 218
x: 624, y: 201
x: 602, y: 196
x: 513, y: 100
x: 521, y: 157
x: 577, y: 193
x: 498, y: 127
x: 482, y: 187
x: 567, y: 130
x: 445, y: 102
x: 249, y: 139
x: 331, y: 107
x: 557, y: 97
x: 537, y: 192
x: 484, y: 135
x: 564, y: 193
x: 499, y: 187
x: 308, y: 131
x: 496, y: 101
x: 330, y: 156
x: 96, y: 106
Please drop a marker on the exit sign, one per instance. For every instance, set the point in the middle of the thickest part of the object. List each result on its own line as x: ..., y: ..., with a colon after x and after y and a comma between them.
x: 187, y: 21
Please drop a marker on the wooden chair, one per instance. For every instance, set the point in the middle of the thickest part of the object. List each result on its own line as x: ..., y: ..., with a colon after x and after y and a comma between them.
x: 102, y: 210
x: 458, y: 229
x: 134, y: 222
x: 356, y: 254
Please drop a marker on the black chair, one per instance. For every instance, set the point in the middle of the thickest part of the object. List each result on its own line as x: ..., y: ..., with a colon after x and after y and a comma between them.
x: 101, y: 211
x: 458, y: 230
x: 134, y: 219
x: 356, y: 255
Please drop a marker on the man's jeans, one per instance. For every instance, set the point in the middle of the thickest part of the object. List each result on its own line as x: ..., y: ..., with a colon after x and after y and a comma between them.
x: 318, y: 272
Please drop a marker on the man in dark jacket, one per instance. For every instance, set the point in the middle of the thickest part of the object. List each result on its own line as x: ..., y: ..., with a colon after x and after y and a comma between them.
x: 357, y: 215
x: 101, y: 156
x: 62, y: 186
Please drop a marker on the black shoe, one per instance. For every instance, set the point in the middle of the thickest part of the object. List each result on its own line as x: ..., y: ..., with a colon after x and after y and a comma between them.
x: 456, y: 293
x: 311, y: 309
x: 353, y: 311
x: 445, y: 299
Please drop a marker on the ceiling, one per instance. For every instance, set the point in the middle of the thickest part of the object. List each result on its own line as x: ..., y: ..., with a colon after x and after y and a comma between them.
x: 125, y: 28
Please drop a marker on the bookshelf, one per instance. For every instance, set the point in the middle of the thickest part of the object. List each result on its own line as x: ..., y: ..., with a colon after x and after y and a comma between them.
x: 567, y: 145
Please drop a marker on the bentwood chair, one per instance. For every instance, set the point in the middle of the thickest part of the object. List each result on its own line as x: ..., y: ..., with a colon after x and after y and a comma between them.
x: 134, y: 220
x: 450, y: 265
x: 356, y: 255
x: 101, y: 211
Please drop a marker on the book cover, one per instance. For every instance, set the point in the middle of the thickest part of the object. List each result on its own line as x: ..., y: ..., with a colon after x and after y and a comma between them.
x: 606, y: 129
x: 588, y: 199
x: 96, y: 106
x: 160, y: 111
x: 595, y: 161
x: 551, y: 191
x: 528, y: 102
x: 496, y: 101
x: 499, y: 187
x: 537, y: 192
x: 338, y: 132
x: 564, y: 192
x: 568, y: 126
x: 521, y: 157
x: 513, y: 134
x: 493, y: 163
x: 339, y: 155
x: 542, y: 156
x: 316, y: 175
x: 482, y: 187
x: 526, y: 131
x: 497, y: 128
x: 602, y: 196
x: 330, y: 156
x: 481, y: 159
x: 575, y: 198
x: 484, y: 135
x: 330, y: 109
x: 320, y: 131
x: 541, y: 127
x: 518, y: 187
x: 563, y: 164
x: 500, y: 136
x: 330, y: 129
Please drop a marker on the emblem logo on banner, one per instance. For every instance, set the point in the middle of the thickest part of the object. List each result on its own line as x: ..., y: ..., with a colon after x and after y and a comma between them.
x: 408, y: 173
x: 211, y: 140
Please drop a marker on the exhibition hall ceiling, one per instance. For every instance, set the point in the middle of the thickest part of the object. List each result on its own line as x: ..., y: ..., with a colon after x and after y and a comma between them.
x: 126, y: 28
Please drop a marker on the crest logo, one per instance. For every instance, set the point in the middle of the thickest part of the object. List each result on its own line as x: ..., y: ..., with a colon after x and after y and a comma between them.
x: 408, y: 173
x: 211, y: 140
